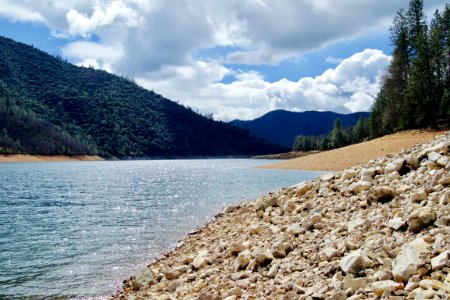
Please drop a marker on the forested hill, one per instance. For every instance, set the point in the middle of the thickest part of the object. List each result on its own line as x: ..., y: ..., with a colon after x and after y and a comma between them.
x: 49, y: 106
x: 280, y: 126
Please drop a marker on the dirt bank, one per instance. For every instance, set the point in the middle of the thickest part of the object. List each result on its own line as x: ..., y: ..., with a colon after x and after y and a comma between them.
x: 342, y: 158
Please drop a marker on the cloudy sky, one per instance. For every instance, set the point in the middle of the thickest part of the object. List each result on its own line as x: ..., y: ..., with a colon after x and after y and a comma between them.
x: 233, y: 58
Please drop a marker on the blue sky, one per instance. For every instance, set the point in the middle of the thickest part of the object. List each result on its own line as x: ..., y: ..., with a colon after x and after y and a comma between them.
x: 234, y: 58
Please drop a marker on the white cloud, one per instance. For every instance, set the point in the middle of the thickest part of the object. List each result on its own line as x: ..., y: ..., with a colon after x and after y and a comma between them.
x: 18, y: 13
x: 90, y: 54
x: 349, y: 87
x: 153, y: 41
x: 103, y: 14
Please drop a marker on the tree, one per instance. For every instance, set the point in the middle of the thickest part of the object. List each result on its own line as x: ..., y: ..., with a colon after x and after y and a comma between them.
x: 337, y: 138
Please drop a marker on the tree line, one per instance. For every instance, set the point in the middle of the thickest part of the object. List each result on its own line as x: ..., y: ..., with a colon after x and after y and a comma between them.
x: 416, y: 88
x: 415, y: 92
x: 339, y: 137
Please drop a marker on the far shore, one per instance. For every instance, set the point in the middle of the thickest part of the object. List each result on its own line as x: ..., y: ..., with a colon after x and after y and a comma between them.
x: 346, y: 157
x: 19, y: 158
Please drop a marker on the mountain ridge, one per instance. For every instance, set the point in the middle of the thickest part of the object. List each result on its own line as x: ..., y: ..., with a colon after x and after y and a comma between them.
x: 281, y: 126
x: 110, y: 115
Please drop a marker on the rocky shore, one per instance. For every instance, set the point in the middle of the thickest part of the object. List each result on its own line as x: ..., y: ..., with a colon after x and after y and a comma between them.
x: 378, y: 230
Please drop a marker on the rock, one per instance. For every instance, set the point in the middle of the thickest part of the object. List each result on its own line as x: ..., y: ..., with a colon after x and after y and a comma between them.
x: 382, y: 275
x: 418, y: 197
x: 236, y: 248
x: 242, y: 260
x: 396, y: 223
x: 263, y: 257
x: 419, y: 245
x: 358, y: 223
x: 236, y: 291
x: 273, y: 271
x: 433, y: 156
x: 383, y: 194
x: 255, y: 229
x: 280, y: 249
x: 440, y: 261
x: 445, y: 180
x: 406, y: 264
x: 314, y: 219
x: 295, y: 230
x: 358, y: 187
x: 200, y: 260
x: 175, y: 272
x: 355, y: 262
x: 380, y: 287
x: 443, y: 161
x: 229, y: 209
x: 434, y: 284
x: 395, y: 166
x: 303, y: 188
x: 354, y: 283
x: 369, y: 172
x: 348, y: 174
x: 142, y: 279
x: 329, y: 253
x: 420, y: 218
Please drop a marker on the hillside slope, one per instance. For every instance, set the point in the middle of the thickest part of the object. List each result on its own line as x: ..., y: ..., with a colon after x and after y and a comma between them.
x: 103, y: 113
x: 281, y: 127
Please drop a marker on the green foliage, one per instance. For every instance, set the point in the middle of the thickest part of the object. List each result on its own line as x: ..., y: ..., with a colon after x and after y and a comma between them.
x: 338, y: 137
x: 77, y: 110
x: 416, y: 87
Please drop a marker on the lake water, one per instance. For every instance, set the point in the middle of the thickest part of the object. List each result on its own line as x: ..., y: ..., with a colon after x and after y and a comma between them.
x: 77, y: 229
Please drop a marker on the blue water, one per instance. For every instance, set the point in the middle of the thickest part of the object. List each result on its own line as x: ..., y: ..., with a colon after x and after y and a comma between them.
x: 77, y: 229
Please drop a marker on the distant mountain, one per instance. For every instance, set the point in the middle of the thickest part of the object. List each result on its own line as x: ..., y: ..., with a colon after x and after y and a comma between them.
x: 281, y: 127
x: 49, y: 106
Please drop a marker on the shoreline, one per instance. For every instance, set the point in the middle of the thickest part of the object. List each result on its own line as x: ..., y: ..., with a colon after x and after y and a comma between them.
x: 26, y: 158
x: 373, y: 230
x: 352, y: 155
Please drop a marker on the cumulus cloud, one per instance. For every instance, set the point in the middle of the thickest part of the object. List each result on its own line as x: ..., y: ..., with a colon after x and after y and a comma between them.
x: 90, y: 54
x: 351, y: 86
x: 103, y: 14
x: 154, y: 41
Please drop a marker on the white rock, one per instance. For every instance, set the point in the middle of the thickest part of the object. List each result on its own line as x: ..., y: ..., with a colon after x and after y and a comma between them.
x: 348, y: 174
x: 395, y: 223
x: 142, y: 279
x: 395, y: 166
x: 273, y: 271
x: 440, y: 261
x: 295, y: 230
x: 418, y: 197
x: 434, y: 284
x: 433, y: 156
x: 329, y: 253
x: 354, y: 283
x: 355, y: 262
x: 406, y: 264
x: 200, y: 260
x: 356, y: 224
x: 443, y: 161
x: 379, y: 287
x: 359, y: 186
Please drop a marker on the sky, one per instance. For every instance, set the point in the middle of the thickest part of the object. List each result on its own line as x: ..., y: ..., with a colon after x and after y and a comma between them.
x: 236, y: 59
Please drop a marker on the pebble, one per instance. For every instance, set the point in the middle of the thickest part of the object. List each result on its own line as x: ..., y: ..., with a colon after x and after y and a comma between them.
x: 378, y: 230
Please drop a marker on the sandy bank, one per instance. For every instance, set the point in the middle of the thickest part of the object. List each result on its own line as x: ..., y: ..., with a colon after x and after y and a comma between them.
x: 340, y: 159
x: 8, y: 158
x: 378, y: 230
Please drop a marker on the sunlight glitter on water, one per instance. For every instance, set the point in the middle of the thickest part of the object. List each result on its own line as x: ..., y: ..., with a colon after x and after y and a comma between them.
x: 78, y: 229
